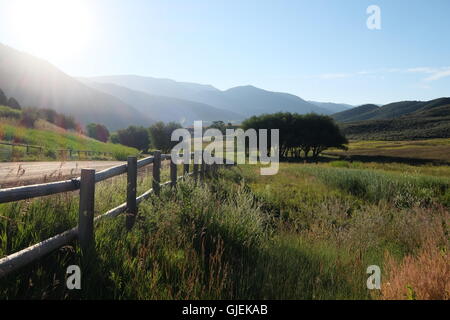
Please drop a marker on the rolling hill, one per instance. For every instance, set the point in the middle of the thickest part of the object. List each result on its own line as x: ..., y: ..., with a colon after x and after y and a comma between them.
x: 389, y: 111
x: 405, y: 120
x: 359, y: 113
x: 37, y: 83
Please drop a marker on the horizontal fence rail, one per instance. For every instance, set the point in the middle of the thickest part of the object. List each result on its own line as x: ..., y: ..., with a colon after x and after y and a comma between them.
x: 46, y: 189
x: 84, y: 230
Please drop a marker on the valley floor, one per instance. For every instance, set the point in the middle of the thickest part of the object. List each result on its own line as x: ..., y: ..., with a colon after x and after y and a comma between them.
x: 309, y: 232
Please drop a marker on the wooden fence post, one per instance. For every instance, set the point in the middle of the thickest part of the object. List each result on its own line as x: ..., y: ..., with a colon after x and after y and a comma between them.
x: 186, y: 169
x: 157, y: 172
x: 195, y: 169
x: 86, y: 210
x: 202, y: 171
x: 131, y: 192
x: 173, y: 174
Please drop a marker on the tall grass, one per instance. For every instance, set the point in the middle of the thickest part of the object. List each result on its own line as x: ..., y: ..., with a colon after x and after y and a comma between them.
x: 241, y: 236
x: 405, y: 190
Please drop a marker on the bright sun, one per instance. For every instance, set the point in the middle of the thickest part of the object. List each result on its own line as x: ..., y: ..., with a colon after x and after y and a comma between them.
x: 52, y: 29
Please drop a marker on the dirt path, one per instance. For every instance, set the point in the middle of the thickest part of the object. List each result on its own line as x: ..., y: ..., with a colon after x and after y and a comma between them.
x: 21, y: 173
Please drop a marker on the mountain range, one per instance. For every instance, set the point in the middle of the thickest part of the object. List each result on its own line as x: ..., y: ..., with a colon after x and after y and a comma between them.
x: 123, y: 100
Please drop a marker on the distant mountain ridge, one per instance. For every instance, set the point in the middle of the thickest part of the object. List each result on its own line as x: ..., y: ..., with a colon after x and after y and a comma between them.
x: 37, y: 83
x: 163, y: 108
x: 243, y: 100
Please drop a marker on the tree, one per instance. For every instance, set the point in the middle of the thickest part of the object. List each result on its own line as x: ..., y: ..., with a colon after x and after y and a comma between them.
x: 218, y: 125
x: 97, y: 131
x: 13, y: 104
x: 135, y: 137
x: 161, y: 135
x: 300, y: 133
x: 29, y: 117
x: 3, y: 98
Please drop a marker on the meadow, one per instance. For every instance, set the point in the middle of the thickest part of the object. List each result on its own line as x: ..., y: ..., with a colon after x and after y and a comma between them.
x: 310, y: 232
x: 407, y: 151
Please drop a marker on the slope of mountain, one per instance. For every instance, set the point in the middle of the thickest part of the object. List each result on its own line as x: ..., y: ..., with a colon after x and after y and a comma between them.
x: 389, y: 111
x: 251, y: 100
x: 413, y: 128
x: 359, y: 113
x: 158, y: 87
x: 332, y: 107
x: 166, y: 109
x: 406, y: 120
x: 37, y: 83
x: 245, y: 100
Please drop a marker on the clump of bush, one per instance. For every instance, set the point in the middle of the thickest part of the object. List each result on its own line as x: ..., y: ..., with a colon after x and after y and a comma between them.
x: 97, y: 131
x: 31, y: 115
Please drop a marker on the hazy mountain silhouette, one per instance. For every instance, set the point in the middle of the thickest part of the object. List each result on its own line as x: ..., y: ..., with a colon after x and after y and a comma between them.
x: 244, y: 100
x: 166, y: 109
x: 35, y: 82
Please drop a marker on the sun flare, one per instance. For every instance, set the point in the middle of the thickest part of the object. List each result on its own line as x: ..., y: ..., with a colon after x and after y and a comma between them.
x: 53, y: 29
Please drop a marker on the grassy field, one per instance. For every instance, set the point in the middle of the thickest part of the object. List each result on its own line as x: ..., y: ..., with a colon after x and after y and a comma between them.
x: 52, y: 139
x: 419, y: 151
x: 309, y: 232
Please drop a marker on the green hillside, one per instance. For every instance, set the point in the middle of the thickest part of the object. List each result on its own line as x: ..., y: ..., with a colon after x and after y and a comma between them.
x: 389, y: 111
x: 52, y: 139
x: 355, y: 114
x: 405, y: 120
x: 406, y: 128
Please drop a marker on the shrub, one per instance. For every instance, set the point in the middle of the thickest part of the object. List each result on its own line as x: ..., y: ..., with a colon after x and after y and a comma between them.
x: 29, y: 117
x: 97, y: 131
x: 422, y: 277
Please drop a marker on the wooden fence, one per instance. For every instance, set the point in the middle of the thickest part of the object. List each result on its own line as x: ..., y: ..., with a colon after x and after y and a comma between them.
x: 86, y: 184
x: 62, y: 152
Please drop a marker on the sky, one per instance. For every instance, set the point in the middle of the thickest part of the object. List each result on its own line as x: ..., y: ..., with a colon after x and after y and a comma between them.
x: 320, y: 50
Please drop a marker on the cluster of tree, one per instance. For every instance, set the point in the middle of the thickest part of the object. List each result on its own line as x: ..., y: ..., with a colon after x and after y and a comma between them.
x: 310, y: 133
x: 161, y: 134
x: 11, y: 102
x: 158, y: 136
x: 222, y: 126
x: 97, y: 131
x: 135, y: 137
x: 30, y: 115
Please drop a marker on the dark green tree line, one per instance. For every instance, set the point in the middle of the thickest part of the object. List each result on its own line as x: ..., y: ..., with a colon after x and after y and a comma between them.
x: 300, y: 134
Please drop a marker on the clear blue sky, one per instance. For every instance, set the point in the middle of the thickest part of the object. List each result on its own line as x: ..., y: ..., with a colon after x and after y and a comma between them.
x: 320, y: 50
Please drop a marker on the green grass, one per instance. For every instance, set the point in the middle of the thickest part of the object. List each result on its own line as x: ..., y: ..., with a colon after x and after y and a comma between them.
x: 7, y: 112
x: 51, y: 141
x: 309, y: 232
x: 431, y: 150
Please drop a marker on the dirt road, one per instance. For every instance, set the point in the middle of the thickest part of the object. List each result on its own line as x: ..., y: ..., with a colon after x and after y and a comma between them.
x: 21, y: 173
